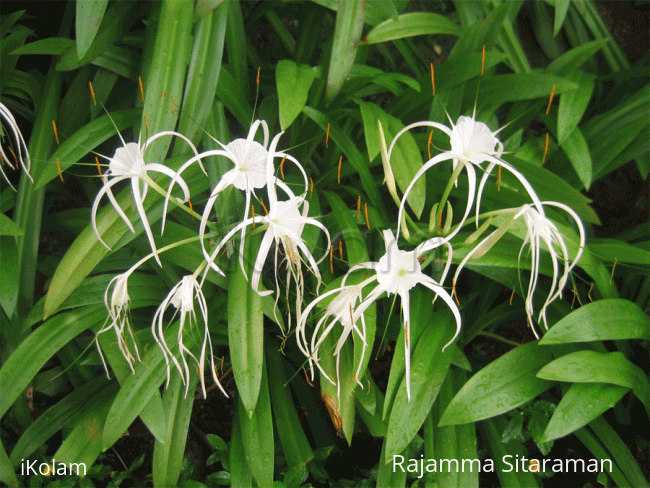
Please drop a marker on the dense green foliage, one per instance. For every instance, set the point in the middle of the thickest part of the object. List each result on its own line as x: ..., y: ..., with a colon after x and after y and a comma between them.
x: 324, y: 72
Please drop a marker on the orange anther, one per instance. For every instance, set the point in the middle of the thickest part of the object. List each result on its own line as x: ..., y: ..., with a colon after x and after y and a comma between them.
x: 331, y: 259
x: 266, y: 210
x: 545, y: 149
x: 92, y: 92
x: 513, y: 295
x: 146, y: 123
x: 141, y: 88
x: 453, y: 289
x: 311, y: 187
x: 339, y: 170
x: 365, y: 209
x: 499, y: 180
x: 327, y: 135
x: 341, y: 249
x: 58, y: 167
x: 359, y: 207
x: 253, y: 214
x: 99, y: 168
x: 433, y: 80
x: 429, y: 144
x: 56, y: 133
x: 550, y: 100
x: 189, y: 202
x: 257, y: 81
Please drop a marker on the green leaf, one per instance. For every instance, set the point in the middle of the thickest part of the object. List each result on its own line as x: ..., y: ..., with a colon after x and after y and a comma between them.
x: 573, y: 104
x: 581, y: 404
x: 8, y: 227
x: 597, y: 367
x: 561, y: 9
x: 405, y: 158
x: 502, y: 385
x: 114, y: 24
x: 295, y: 445
x: 7, y: 473
x: 135, y: 394
x: 51, y: 46
x: 168, y: 455
x: 519, y: 86
x: 576, y: 148
x: 84, y: 444
x: 429, y: 369
x: 239, y: 469
x: 347, y: 33
x: 412, y: 24
x: 217, y: 443
x: 39, y: 347
x: 89, y: 17
x: 257, y: 435
x: 293, y: 82
x: 620, y: 251
x: 66, y: 413
x: 608, y: 319
x: 576, y: 57
x: 245, y: 330
x: 10, y: 273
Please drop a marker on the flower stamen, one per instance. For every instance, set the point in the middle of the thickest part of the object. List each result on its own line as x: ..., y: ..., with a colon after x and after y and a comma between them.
x: 92, y: 92
x: 141, y: 88
x: 365, y: 209
x: 58, y: 167
x: 56, y: 132
x: 550, y: 100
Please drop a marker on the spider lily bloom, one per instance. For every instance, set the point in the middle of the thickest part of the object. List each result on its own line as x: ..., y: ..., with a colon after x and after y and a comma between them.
x: 182, y: 298
x: 21, y: 154
x: 396, y: 273
x: 286, y: 220
x: 118, y: 314
x: 128, y: 163
x: 471, y: 142
x: 538, y: 229
x: 342, y: 309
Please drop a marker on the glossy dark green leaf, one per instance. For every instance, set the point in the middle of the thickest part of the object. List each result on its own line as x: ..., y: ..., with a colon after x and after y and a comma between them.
x: 619, y: 251
x: 113, y: 25
x: 51, y: 45
x: 598, y: 367
x: 429, y: 366
x: 257, y: 435
x: 168, y: 455
x: 84, y: 444
x: 7, y: 473
x: 347, y: 33
x: 501, y: 386
x: 411, y: 24
x: 576, y: 148
x: 293, y: 82
x: 581, y: 404
x: 135, y: 394
x: 573, y: 104
x: 608, y: 319
x: 39, y: 347
x: 89, y: 17
x: 10, y: 272
x: 245, y: 329
x: 295, y: 445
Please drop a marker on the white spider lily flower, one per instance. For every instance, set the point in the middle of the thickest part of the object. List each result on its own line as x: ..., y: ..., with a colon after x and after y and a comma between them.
x: 118, y: 315
x: 472, y: 144
x: 539, y: 229
x: 182, y: 297
x: 128, y: 164
x: 286, y: 221
x: 21, y: 154
x: 342, y: 309
x: 397, y: 272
